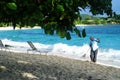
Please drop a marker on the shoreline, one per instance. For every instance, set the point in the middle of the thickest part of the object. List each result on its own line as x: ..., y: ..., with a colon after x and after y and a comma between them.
x: 38, y: 27
x: 23, y: 28
x: 106, y: 63
x: 85, y: 25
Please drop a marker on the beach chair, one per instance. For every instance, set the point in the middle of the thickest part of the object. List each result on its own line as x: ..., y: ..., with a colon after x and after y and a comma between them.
x: 2, y: 46
x: 33, y: 48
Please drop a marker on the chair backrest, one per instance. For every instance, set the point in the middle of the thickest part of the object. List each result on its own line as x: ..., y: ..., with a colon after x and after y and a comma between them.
x: 31, y: 45
x: 1, y: 44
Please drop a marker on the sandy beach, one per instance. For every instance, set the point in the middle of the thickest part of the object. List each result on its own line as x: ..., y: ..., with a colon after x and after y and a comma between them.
x: 19, y: 66
x: 11, y: 28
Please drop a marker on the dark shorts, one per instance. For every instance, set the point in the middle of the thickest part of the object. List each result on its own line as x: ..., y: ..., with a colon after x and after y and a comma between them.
x: 93, y: 55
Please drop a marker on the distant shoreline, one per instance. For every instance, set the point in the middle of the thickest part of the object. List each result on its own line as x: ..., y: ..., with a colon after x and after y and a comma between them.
x: 38, y: 27
x: 23, y: 28
x: 94, y: 24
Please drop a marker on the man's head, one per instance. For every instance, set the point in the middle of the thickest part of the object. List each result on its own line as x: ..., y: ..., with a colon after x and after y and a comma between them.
x: 91, y: 38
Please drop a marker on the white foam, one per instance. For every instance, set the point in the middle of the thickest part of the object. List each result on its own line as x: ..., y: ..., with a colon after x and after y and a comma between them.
x: 105, y: 56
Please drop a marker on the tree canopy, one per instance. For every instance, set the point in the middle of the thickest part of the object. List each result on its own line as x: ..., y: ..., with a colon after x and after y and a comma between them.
x: 54, y: 16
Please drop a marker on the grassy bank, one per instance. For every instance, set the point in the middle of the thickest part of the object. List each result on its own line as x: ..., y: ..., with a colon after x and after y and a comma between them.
x: 15, y: 66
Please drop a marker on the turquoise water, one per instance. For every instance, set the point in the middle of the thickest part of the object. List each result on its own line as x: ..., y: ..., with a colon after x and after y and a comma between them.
x: 108, y: 34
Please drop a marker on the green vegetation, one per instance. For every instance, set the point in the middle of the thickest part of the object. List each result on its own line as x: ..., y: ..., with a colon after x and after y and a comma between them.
x: 115, y: 19
x: 2, y: 24
x: 91, y: 20
x: 54, y: 16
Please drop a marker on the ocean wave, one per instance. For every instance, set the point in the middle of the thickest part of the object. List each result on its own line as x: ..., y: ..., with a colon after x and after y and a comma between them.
x: 65, y: 50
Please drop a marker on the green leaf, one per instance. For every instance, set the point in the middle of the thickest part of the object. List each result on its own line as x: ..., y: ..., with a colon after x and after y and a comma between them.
x: 53, y: 2
x: 12, y: 5
x: 61, y: 18
x: 83, y: 33
x: 62, y: 34
x: 51, y: 32
x: 14, y: 0
x: 77, y: 32
x: 46, y: 31
x: 60, y: 7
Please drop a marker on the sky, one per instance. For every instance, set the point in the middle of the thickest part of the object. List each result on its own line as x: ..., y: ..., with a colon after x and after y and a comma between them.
x: 115, y: 7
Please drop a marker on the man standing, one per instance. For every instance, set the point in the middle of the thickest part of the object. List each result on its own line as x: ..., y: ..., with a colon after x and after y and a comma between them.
x: 94, y: 48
